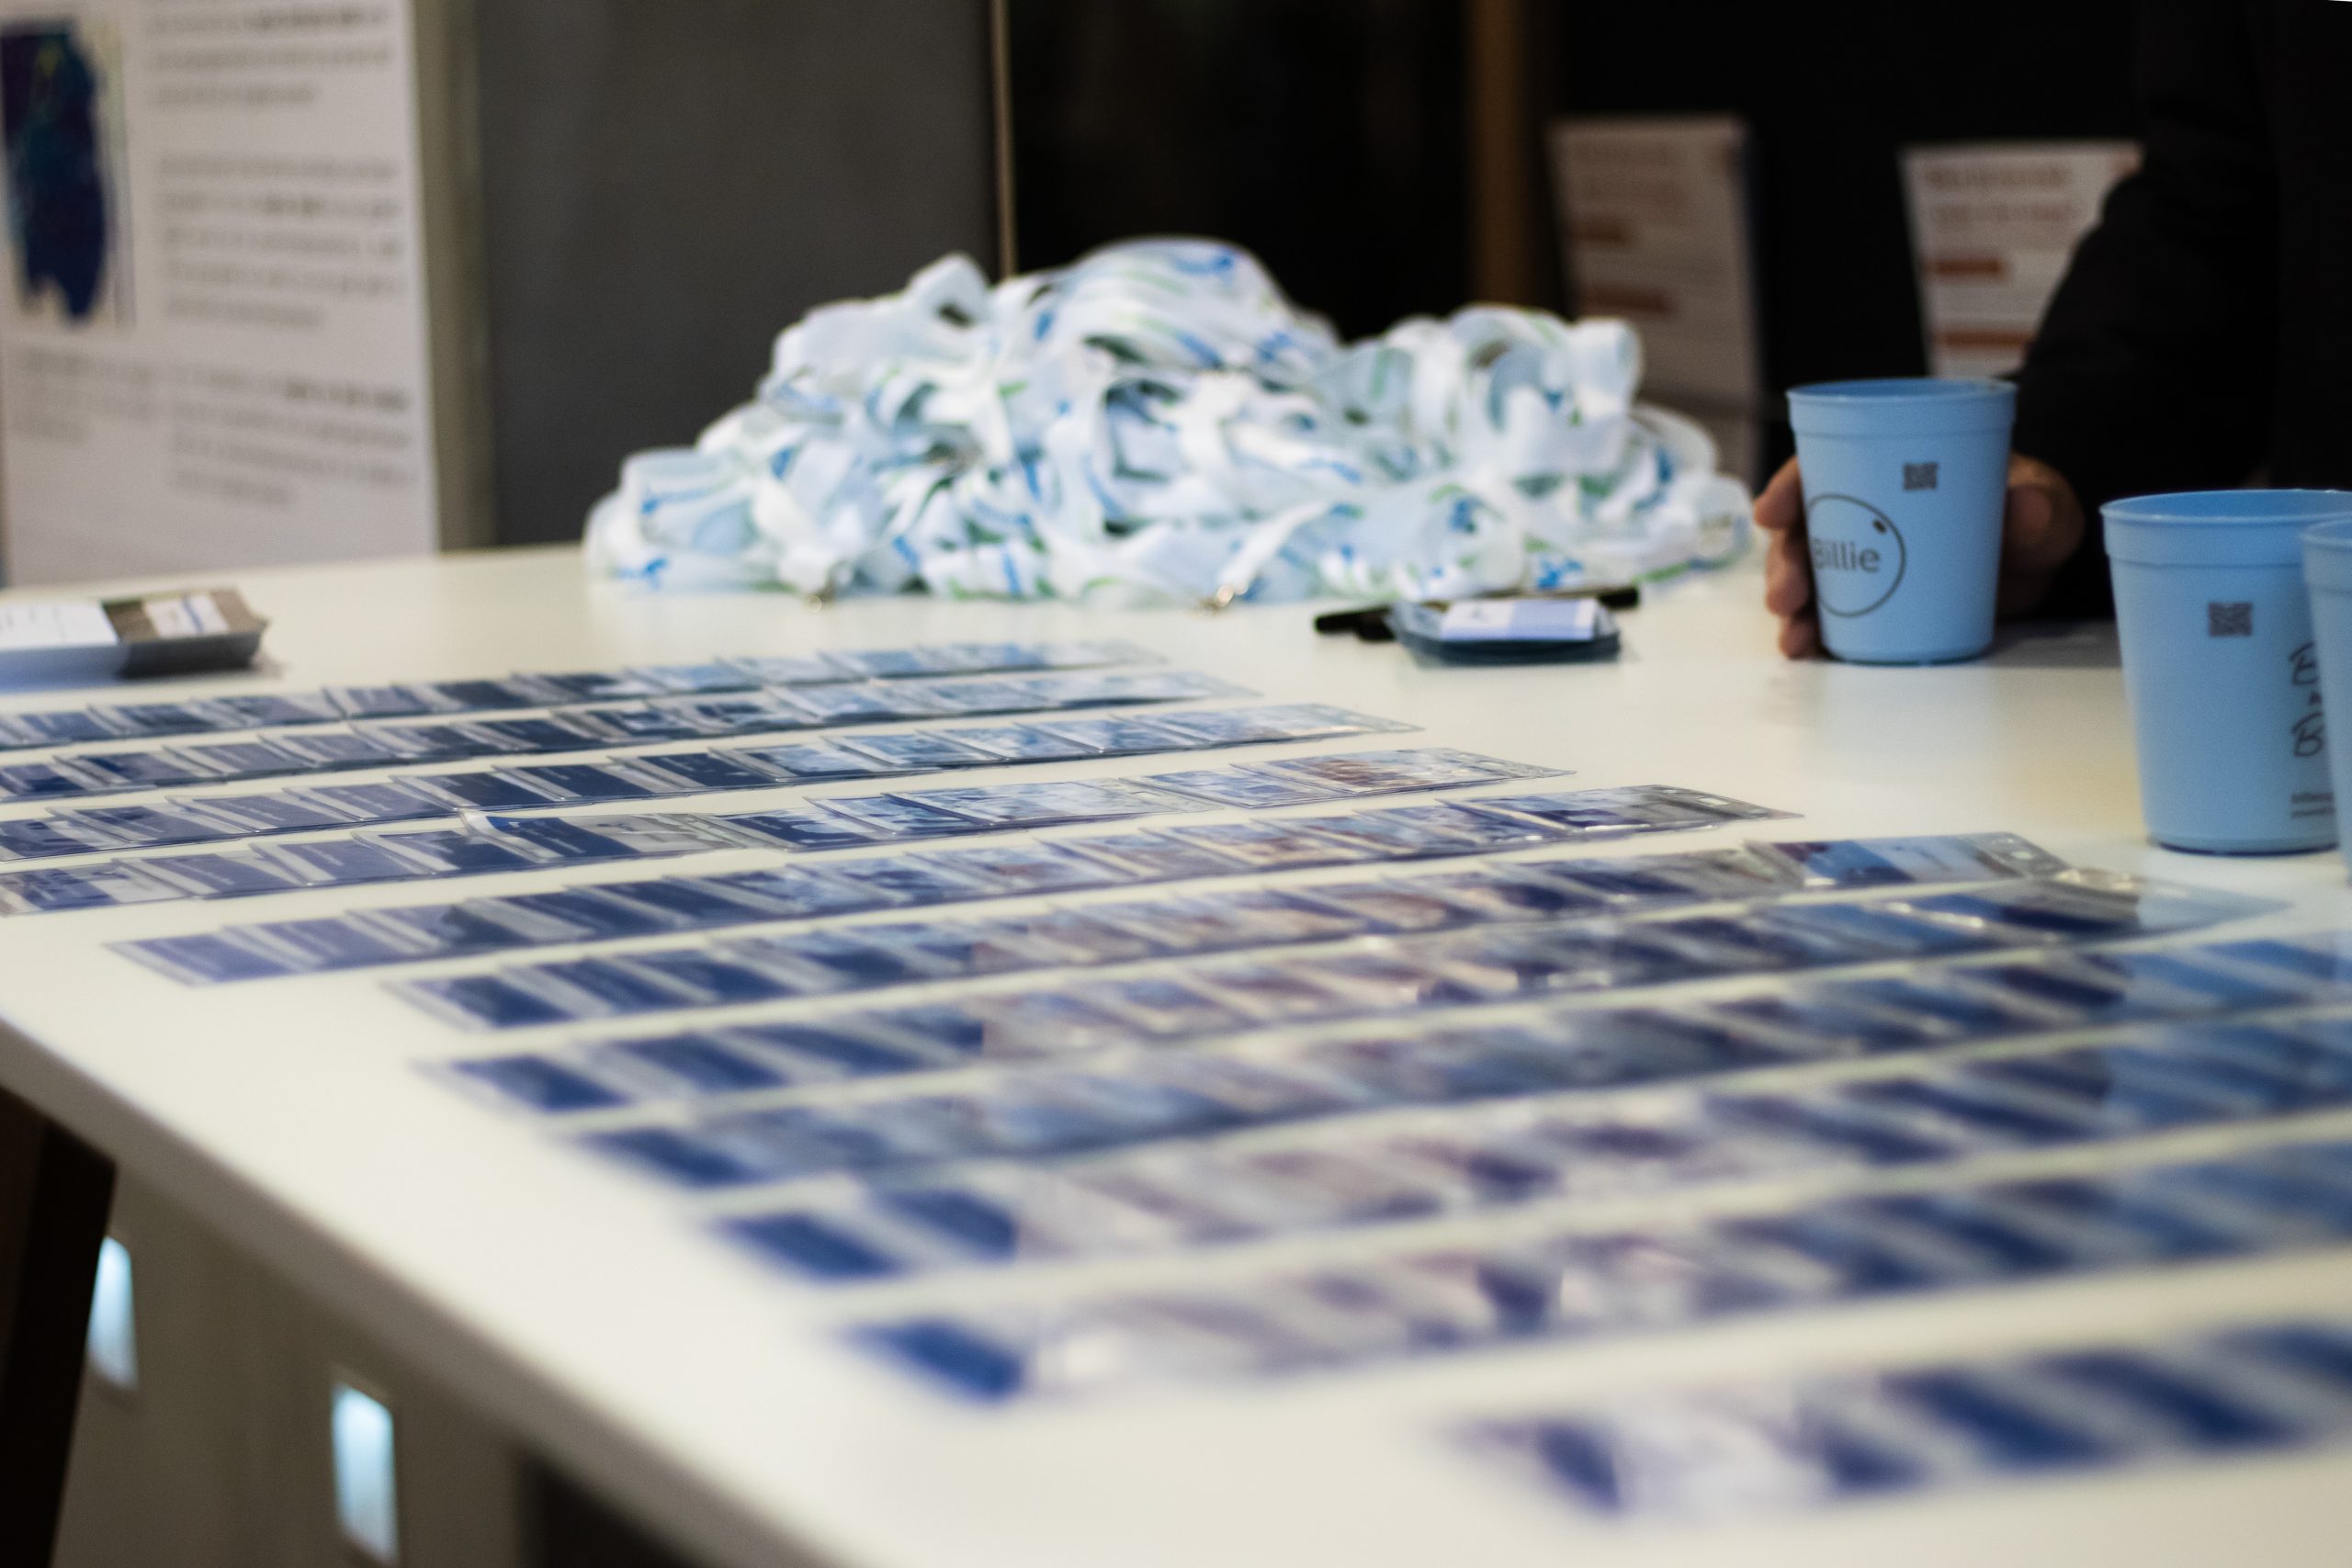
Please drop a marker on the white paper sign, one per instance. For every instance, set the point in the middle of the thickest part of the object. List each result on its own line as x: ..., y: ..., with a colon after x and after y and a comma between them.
x: 1993, y: 228
x: 1657, y: 232
x: 212, y: 331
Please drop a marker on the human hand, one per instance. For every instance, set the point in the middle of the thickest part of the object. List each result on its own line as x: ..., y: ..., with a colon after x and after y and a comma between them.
x: 2041, y: 527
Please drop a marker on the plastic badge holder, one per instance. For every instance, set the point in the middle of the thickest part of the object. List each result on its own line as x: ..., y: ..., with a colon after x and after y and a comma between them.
x: 1381, y: 773
x: 1892, y: 863
x: 1904, y: 482
x: 2221, y: 668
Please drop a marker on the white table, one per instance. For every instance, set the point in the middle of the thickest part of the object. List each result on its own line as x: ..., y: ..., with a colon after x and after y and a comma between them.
x: 574, y: 1304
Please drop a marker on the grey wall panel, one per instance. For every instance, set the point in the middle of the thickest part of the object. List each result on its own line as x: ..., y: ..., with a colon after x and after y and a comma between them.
x: 665, y: 184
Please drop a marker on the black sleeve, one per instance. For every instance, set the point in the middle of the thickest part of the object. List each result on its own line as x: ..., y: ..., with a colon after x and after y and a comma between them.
x: 2153, y: 369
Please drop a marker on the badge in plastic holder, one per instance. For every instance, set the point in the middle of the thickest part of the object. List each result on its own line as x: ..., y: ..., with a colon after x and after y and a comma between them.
x: 142, y: 827
x: 696, y: 771
x: 48, y: 781
x: 1398, y: 907
x: 332, y: 942
x: 490, y: 791
x: 849, y: 1046
x: 241, y: 816
x: 233, y: 874
x: 72, y: 726
x: 756, y: 713
x: 1243, y: 790
x: 1385, y: 772
x: 2080, y: 994
x: 1636, y: 809
x: 589, y: 989
x: 708, y: 979
x: 1274, y: 845
x: 695, y: 1064
x: 244, y: 759
x: 1122, y: 736
x: 909, y: 879
x: 1011, y: 869
x: 719, y: 675
x: 1083, y: 938
x: 607, y: 838
x: 920, y: 750
x: 1042, y: 1023
x: 1086, y: 690
x: 2081, y: 906
x: 473, y: 696
x: 818, y: 762
x: 895, y: 663
x: 1953, y: 1011
x: 389, y: 801
x: 343, y: 862
x: 637, y: 723
x: 867, y: 702
x: 468, y: 929
x: 542, y: 733
x: 341, y: 749
x: 821, y: 961
x: 2321, y: 959
x: 384, y: 702
x: 152, y: 720
x: 1711, y: 875
x: 998, y: 806
x: 1828, y: 1027
x: 271, y: 710
x: 969, y: 948
x: 799, y: 829
x: 145, y: 770
x: 1297, y: 721
x: 99, y: 886
x: 1415, y: 832
x: 594, y: 914
x: 1178, y: 925
x: 783, y: 669
x: 39, y: 838
x: 796, y: 893
x: 1377, y: 982
x: 1893, y: 934
x: 1018, y: 743
x: 440, y: 742
x: 2195, y: 973
x: 595, y: 784
x: 1752, y: 940
x: 223, y: 958
x: 1161, y: 1007
x: 484, y: 1001
x: 1270, y: 993
x: 454, y: 851
x: 895, y: 818
x: 1157, y: 857
x: 1893, y: 862
x: 697, y: 902
x: 1509, y: 895
x: 1290, y: 915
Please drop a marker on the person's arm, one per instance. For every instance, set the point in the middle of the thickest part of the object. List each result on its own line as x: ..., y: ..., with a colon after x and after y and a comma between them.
x: 2154, y: 366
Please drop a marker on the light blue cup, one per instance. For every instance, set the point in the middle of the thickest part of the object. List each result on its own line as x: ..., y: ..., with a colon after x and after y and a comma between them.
x: 2220, y: 667
x: 2327, y: 573
x: 1904, y: 482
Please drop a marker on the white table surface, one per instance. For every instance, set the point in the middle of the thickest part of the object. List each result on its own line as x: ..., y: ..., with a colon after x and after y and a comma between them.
x: 579, y: 1306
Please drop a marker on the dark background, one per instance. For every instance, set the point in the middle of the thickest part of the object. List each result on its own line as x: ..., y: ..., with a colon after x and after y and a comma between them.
x: 665, y: 186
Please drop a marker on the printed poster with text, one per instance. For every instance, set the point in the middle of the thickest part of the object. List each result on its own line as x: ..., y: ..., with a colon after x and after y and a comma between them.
x: 212, y: 340
x: 1993, y: 227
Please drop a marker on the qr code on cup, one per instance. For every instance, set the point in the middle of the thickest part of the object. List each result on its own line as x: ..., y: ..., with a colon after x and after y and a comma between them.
x: 2229, y: 620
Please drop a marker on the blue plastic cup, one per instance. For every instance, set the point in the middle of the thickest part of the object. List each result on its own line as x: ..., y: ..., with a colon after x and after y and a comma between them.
x: 2327, y: 573
x: 2220, y: 667
x: 1904, y: 482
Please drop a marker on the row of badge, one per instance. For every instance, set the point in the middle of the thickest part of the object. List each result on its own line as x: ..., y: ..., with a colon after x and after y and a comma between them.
x: 660, y: 906
x: 336, y: 705
x: 77, y: 776
x: 1742, y: 1450
x: 488, y: 843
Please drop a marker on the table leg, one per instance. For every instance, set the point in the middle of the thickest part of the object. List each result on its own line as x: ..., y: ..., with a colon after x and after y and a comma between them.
x: 55, y: 1192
